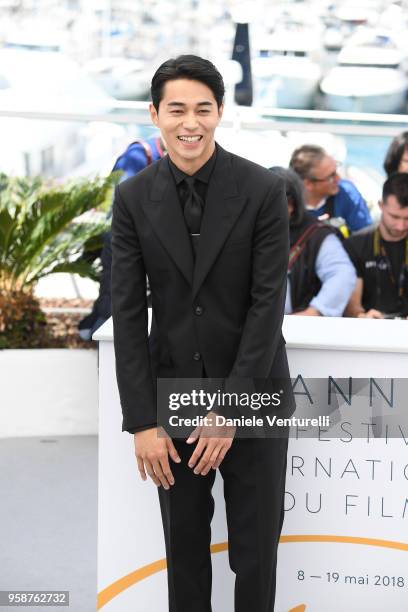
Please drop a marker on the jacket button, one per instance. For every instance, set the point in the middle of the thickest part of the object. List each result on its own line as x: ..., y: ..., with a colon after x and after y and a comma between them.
x: 199, y: 310
x: 196, y: 356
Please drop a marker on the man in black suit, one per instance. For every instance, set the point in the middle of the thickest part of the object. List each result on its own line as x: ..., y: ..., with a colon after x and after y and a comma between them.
x: 210, y: 230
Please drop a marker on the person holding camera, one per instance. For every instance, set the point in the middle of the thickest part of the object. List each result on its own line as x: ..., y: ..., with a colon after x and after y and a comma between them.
x: 380, y: 256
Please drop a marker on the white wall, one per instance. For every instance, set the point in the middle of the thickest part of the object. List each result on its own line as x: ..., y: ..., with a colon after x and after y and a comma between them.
x: 48, y: 392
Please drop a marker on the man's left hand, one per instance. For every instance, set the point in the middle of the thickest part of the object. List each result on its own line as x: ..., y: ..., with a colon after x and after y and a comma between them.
x: 214, y: 441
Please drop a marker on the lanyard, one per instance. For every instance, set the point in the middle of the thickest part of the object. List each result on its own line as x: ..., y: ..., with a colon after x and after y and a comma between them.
x: 379, y: 250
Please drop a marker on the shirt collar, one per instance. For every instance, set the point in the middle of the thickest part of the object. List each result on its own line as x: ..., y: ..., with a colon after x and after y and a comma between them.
x: 203, y: 174
x: 318, y: 206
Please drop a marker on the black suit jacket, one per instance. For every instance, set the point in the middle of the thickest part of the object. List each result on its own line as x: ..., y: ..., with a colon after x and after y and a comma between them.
x: 223, y: 311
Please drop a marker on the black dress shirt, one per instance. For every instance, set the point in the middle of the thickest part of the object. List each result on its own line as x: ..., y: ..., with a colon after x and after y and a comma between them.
x: 202, y: 178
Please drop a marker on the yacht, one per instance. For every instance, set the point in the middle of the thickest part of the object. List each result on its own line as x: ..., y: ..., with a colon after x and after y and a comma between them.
x: 44, y: 81
x: 121, y: 78
x: 370, y: 76
x: 287, y: 69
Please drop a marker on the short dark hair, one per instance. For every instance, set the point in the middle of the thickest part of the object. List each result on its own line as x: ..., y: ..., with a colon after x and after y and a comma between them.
x: 294, y: 190
x: 395, y: 153
x: 305, y: 157
x: 189, y: 67
x: 397, y: 185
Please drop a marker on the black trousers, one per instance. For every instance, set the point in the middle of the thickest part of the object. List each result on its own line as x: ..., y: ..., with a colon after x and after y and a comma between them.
x: 254, y: 472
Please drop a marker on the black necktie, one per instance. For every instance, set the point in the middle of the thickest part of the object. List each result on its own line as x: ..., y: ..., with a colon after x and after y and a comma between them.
x: 193, y: 208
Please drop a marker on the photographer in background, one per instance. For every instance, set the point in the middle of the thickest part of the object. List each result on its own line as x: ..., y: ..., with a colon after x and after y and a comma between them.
x: 328, y: 196
x: 321, y: 277
x: 380, y: 256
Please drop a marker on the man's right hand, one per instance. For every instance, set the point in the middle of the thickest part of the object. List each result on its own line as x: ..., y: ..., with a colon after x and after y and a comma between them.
x: 152, y: 455
x: 371, y: 314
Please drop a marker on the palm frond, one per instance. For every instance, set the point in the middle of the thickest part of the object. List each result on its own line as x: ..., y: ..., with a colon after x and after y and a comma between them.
x: 65, y: 248
x: 39, y: 233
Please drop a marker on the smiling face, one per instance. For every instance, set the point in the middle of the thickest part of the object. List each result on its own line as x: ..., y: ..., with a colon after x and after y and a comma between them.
x: 187, y: 118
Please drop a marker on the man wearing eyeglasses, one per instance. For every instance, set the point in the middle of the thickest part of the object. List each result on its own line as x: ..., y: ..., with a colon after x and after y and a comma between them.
x: 327, y: 195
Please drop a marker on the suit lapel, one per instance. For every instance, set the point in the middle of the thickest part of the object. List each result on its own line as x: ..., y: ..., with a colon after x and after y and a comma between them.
x: 165, y: 215
x: 222, y: 208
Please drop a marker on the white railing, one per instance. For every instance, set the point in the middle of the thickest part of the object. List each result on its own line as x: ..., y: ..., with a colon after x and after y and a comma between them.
x: 235, y: 117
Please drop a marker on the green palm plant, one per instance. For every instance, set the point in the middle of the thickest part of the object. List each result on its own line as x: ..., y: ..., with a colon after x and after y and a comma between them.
x: 43, y: 231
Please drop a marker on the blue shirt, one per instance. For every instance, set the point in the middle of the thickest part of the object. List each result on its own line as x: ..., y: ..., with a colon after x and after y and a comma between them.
x: 338, y: 278
x: 134, y: 159
x: 349, y: 204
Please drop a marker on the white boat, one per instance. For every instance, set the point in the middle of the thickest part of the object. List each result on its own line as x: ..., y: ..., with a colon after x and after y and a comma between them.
x: 390, y: 46
x: 352, y: 14
x: 44, y: 81
x: 365, y: 89
x: 35, y: 37
x: 370, y: 76
x: 287, y: 70
x: 122, y: 78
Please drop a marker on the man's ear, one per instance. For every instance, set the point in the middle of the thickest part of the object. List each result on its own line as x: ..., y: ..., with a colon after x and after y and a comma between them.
x: 153, y: 114
x: 381, y: 205
x: 220, y: 111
